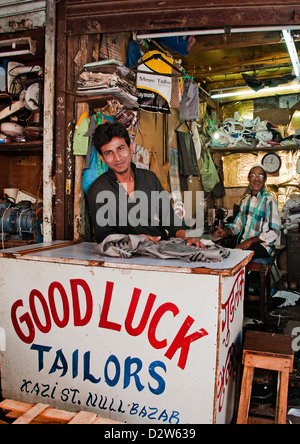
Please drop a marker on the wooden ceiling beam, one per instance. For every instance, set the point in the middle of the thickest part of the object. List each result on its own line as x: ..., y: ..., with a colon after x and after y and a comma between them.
x: 97, y: 16
x: 234, y: 83
x: 246, y: 67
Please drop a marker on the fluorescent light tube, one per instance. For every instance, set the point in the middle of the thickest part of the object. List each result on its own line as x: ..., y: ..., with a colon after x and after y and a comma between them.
x: 292, y: 51
x: 250, y: 92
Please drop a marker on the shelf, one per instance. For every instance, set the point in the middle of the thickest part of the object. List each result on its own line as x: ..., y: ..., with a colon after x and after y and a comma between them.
x: 12, y: 147
x: 122, y: 97
x: 251, y: 150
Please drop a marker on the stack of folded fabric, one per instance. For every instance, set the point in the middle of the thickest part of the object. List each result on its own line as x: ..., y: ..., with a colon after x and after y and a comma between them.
x: 291, y: 214
x: 108, y: 77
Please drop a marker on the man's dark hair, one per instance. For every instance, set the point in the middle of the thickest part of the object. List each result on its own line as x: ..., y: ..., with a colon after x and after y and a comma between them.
x: 106, y: 132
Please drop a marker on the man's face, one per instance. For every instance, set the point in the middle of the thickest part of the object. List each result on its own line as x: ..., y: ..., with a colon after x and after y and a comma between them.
x: 257, y: 180
x: 117, y: 155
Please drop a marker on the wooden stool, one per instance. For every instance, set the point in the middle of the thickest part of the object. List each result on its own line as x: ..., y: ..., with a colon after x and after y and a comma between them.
x: 263, y: 267
x: 271, y: 352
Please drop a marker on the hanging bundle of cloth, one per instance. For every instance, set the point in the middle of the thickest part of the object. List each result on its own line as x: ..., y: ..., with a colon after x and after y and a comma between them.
x: 127, y: 246
x: 187, y: 156
x: 94, y: 166
x: 189, y: 105
x: 188, y: 164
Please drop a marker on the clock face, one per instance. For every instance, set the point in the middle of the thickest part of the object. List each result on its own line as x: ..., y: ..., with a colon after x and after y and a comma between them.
x: 271, y: 162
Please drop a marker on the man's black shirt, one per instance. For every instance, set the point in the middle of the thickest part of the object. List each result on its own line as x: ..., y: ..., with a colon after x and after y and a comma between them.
x: 148, y: 212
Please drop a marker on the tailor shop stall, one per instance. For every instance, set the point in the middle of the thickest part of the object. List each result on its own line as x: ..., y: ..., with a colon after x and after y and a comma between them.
x: 139, y: 340
x: 135, y: 340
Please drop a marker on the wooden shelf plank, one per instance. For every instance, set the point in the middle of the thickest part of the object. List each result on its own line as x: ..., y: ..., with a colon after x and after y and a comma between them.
x: 34, y: 145
x: 232, y: 149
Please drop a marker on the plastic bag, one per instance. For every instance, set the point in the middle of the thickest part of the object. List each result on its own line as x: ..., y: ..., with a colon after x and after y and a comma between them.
x: 208, y: 173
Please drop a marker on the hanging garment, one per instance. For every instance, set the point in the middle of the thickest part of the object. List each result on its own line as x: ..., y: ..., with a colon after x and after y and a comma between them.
x: 89, y: 134
x: 97, y: 168
x: 134, y: 54
x: 187, y: 160
x: 189, y: 105
x: 94, y: 166
x: 196, y: 140
x: 177, y: 86
x: 127, y: 246
x: 180, y: 44
x: 219, y: 189
x: 80, y: 139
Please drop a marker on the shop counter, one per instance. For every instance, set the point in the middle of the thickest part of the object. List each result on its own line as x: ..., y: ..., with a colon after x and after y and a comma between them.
x: 140, y: 340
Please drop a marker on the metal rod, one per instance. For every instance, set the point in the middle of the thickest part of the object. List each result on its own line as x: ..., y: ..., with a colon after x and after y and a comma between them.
x: 216, y: 31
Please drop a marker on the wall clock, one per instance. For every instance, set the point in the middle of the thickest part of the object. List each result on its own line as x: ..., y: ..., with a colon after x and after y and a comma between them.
x: 271, y: 163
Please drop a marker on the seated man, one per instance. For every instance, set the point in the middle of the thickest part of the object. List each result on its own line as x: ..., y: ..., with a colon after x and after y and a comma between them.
x: 126, y: 199
x: 257, y: 224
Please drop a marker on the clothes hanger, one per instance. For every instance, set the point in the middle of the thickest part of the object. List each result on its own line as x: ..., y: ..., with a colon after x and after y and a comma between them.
x: 182, y: 123
x: 157, y: 56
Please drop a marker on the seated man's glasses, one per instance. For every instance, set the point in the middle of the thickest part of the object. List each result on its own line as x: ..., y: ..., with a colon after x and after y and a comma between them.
x: 259, y: 176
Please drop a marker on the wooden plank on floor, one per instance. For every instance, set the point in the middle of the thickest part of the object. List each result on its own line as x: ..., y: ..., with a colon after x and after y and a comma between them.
x: 19, y: 408
x: 24, y: 413
x: 100, y: 420
x: 83, y: 418
x: 32, y: 413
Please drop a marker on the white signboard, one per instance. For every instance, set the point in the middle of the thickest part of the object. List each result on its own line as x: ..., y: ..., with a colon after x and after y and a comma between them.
x: 134, y: 346
x: 230, y: 346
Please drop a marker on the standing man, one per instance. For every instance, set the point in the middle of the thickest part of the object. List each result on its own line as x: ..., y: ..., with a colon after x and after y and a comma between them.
x: 126, y: 199
x: 257, y: 224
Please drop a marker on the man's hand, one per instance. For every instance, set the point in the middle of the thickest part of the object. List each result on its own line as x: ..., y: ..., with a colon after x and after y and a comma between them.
x: 194, y: 241
x: 154, y: 239
x: 190, y: 240
x: 245, y: 245
x: 219, y: 232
